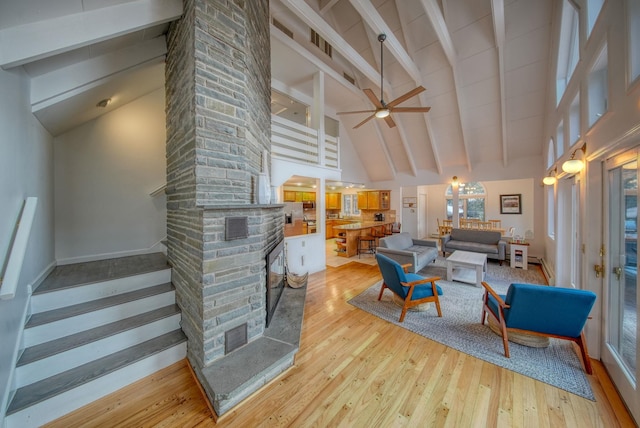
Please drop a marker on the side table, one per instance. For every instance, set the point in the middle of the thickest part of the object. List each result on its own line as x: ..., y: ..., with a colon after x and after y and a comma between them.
x: 519, y: 255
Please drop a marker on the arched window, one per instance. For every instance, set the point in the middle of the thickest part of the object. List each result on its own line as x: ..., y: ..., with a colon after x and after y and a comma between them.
x: 471, y: 201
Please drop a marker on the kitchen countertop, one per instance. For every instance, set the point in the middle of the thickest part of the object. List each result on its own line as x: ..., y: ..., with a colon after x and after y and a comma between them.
x: 362, y: 225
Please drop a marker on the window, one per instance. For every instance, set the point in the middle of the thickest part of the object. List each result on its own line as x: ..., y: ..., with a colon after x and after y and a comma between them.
x: 568, y: 48
x: 560, y: 140
x: 598, y: 88
x: 350, y: 205
x: 574, y: 121
x: 471, y: 201
x: 550, y: 153
x: 633, y: 14
x: 593, y: 10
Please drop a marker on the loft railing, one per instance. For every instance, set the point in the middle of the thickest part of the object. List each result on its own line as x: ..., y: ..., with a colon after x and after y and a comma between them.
x: 9, y: 283
x: 295, y: 142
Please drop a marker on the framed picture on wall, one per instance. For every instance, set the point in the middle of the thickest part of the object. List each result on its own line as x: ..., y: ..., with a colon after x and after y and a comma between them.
x: 511, y: 204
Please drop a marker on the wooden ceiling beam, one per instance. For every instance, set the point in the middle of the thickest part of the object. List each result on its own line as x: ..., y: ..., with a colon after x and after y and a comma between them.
x: 436, y: 17
x: 497, y: 12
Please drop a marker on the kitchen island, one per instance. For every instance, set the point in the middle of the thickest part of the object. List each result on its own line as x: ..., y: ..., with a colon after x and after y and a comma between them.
x: 347, y: 244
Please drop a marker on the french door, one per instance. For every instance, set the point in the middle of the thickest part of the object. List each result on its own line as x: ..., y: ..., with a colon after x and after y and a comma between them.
x: 620, y: 347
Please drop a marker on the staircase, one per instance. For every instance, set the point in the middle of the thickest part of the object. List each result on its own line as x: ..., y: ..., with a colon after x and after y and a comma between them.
x: 95, y: 328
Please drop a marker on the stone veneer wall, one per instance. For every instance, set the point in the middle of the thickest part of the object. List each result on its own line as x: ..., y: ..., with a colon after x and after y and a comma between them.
x: 218, y: 125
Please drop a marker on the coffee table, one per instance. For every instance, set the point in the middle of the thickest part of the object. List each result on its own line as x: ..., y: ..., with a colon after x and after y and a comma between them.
x: 461, y: 266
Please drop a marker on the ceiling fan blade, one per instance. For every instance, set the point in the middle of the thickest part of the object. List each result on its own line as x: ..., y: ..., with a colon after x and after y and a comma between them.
x: 411, y: 109
x: 390, y: 122
x: 353, y: 112
x: 372, y: 97
x: 405, y: 97
x: 364, y: 121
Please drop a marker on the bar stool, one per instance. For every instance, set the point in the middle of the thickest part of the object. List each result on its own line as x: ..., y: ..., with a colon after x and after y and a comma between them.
x: 378, y: 232
x: 388, y: 229
x: 369, y: 248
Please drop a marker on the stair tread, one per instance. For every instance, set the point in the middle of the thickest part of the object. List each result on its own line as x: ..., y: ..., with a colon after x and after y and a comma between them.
x: 94, y: 305
x: 67, y: 276
x: 47, y: 349
x: 65, y: 381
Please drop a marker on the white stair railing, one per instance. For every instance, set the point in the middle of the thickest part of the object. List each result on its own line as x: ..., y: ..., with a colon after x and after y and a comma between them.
x: 9, y: 283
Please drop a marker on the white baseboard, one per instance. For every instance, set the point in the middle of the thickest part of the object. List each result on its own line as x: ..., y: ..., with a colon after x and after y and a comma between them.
x: 157, y: 247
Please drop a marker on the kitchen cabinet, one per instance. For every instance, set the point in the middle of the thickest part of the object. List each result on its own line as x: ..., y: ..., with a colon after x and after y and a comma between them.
x: 362, y: 200
x: 329, y: 229
x: 374, y: 200
x: 385, y: 199
x: 289, y: 196
x: 293, y: 196
x: 333, y: 201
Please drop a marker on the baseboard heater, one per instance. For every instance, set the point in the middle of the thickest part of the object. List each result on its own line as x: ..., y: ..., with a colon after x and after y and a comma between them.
x: 547, y: 272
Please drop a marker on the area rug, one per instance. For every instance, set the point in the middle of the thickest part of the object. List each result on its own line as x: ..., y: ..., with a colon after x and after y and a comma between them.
x: 460, y: 328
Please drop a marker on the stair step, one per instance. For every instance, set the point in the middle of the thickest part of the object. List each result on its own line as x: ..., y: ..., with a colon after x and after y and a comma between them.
x: 48, y: 388
x: 55, y: 324
x: 80, y: 293
x: 73, y: 275
x: 58, y: 346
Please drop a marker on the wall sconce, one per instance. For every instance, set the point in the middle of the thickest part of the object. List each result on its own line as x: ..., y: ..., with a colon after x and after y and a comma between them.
x: 573, y: 165
x: 550, y: 180
x: 454, y: 180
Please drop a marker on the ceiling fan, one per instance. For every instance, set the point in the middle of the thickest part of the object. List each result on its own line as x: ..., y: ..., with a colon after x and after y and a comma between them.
x: 383, y: 110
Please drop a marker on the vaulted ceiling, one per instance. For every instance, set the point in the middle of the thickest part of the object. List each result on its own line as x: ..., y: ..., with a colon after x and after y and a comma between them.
x: 484, y: 64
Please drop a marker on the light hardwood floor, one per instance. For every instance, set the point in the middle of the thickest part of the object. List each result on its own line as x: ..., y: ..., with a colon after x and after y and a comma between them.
x: 354, y: 369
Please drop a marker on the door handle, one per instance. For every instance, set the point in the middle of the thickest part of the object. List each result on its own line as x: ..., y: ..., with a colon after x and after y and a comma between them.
x: 618, y: 272
x: 599, y: 270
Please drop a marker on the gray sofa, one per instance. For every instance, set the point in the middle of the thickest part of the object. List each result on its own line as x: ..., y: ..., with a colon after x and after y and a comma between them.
x: 404, y: 249
x: 477, y: 241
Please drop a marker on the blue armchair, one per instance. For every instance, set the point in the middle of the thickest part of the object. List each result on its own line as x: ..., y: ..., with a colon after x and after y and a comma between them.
x: 413, y: 289
x: 541, y: 310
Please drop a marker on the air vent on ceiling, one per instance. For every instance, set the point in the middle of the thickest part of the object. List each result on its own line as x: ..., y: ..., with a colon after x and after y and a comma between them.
x: 280, y: 26
x: 349, y: 78
x: 317, y: 40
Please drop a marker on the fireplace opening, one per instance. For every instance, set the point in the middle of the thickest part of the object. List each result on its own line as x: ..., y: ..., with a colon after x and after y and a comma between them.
x: 275, y: 279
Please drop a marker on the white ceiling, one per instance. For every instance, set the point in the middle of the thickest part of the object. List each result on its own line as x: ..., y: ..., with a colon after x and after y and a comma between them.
x: 484, y: 64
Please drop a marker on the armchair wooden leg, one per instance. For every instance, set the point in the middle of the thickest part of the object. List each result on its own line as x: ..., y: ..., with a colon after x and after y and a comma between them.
x: 382, y: 287
x: 505, y: 338
x: 404, y: 312
x: 582, y: 343
x: 437, y: 302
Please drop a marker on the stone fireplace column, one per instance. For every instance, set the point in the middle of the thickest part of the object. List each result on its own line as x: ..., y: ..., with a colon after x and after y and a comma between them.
x: 218, y: 111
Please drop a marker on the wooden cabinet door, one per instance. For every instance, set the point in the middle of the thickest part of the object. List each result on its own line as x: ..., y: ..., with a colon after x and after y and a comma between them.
x: 299, y: 196
x: 329, y: 231
x: 308, y: 197
x: 362, y: 200
x: 334, y: 201
x: 373, y: 200
x: 385, y: 199
x: 289, y: 196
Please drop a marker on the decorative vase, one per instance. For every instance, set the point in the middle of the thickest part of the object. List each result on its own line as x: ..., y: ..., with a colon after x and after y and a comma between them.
x: 264, y: 183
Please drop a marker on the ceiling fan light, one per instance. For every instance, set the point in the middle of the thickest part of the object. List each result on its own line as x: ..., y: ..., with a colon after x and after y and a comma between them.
x: 382, y: 113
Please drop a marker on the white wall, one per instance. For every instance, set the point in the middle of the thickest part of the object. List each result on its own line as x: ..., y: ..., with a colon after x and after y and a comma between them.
x: 530, y: 219
x: 26, y: 169
x: 104, y: 172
